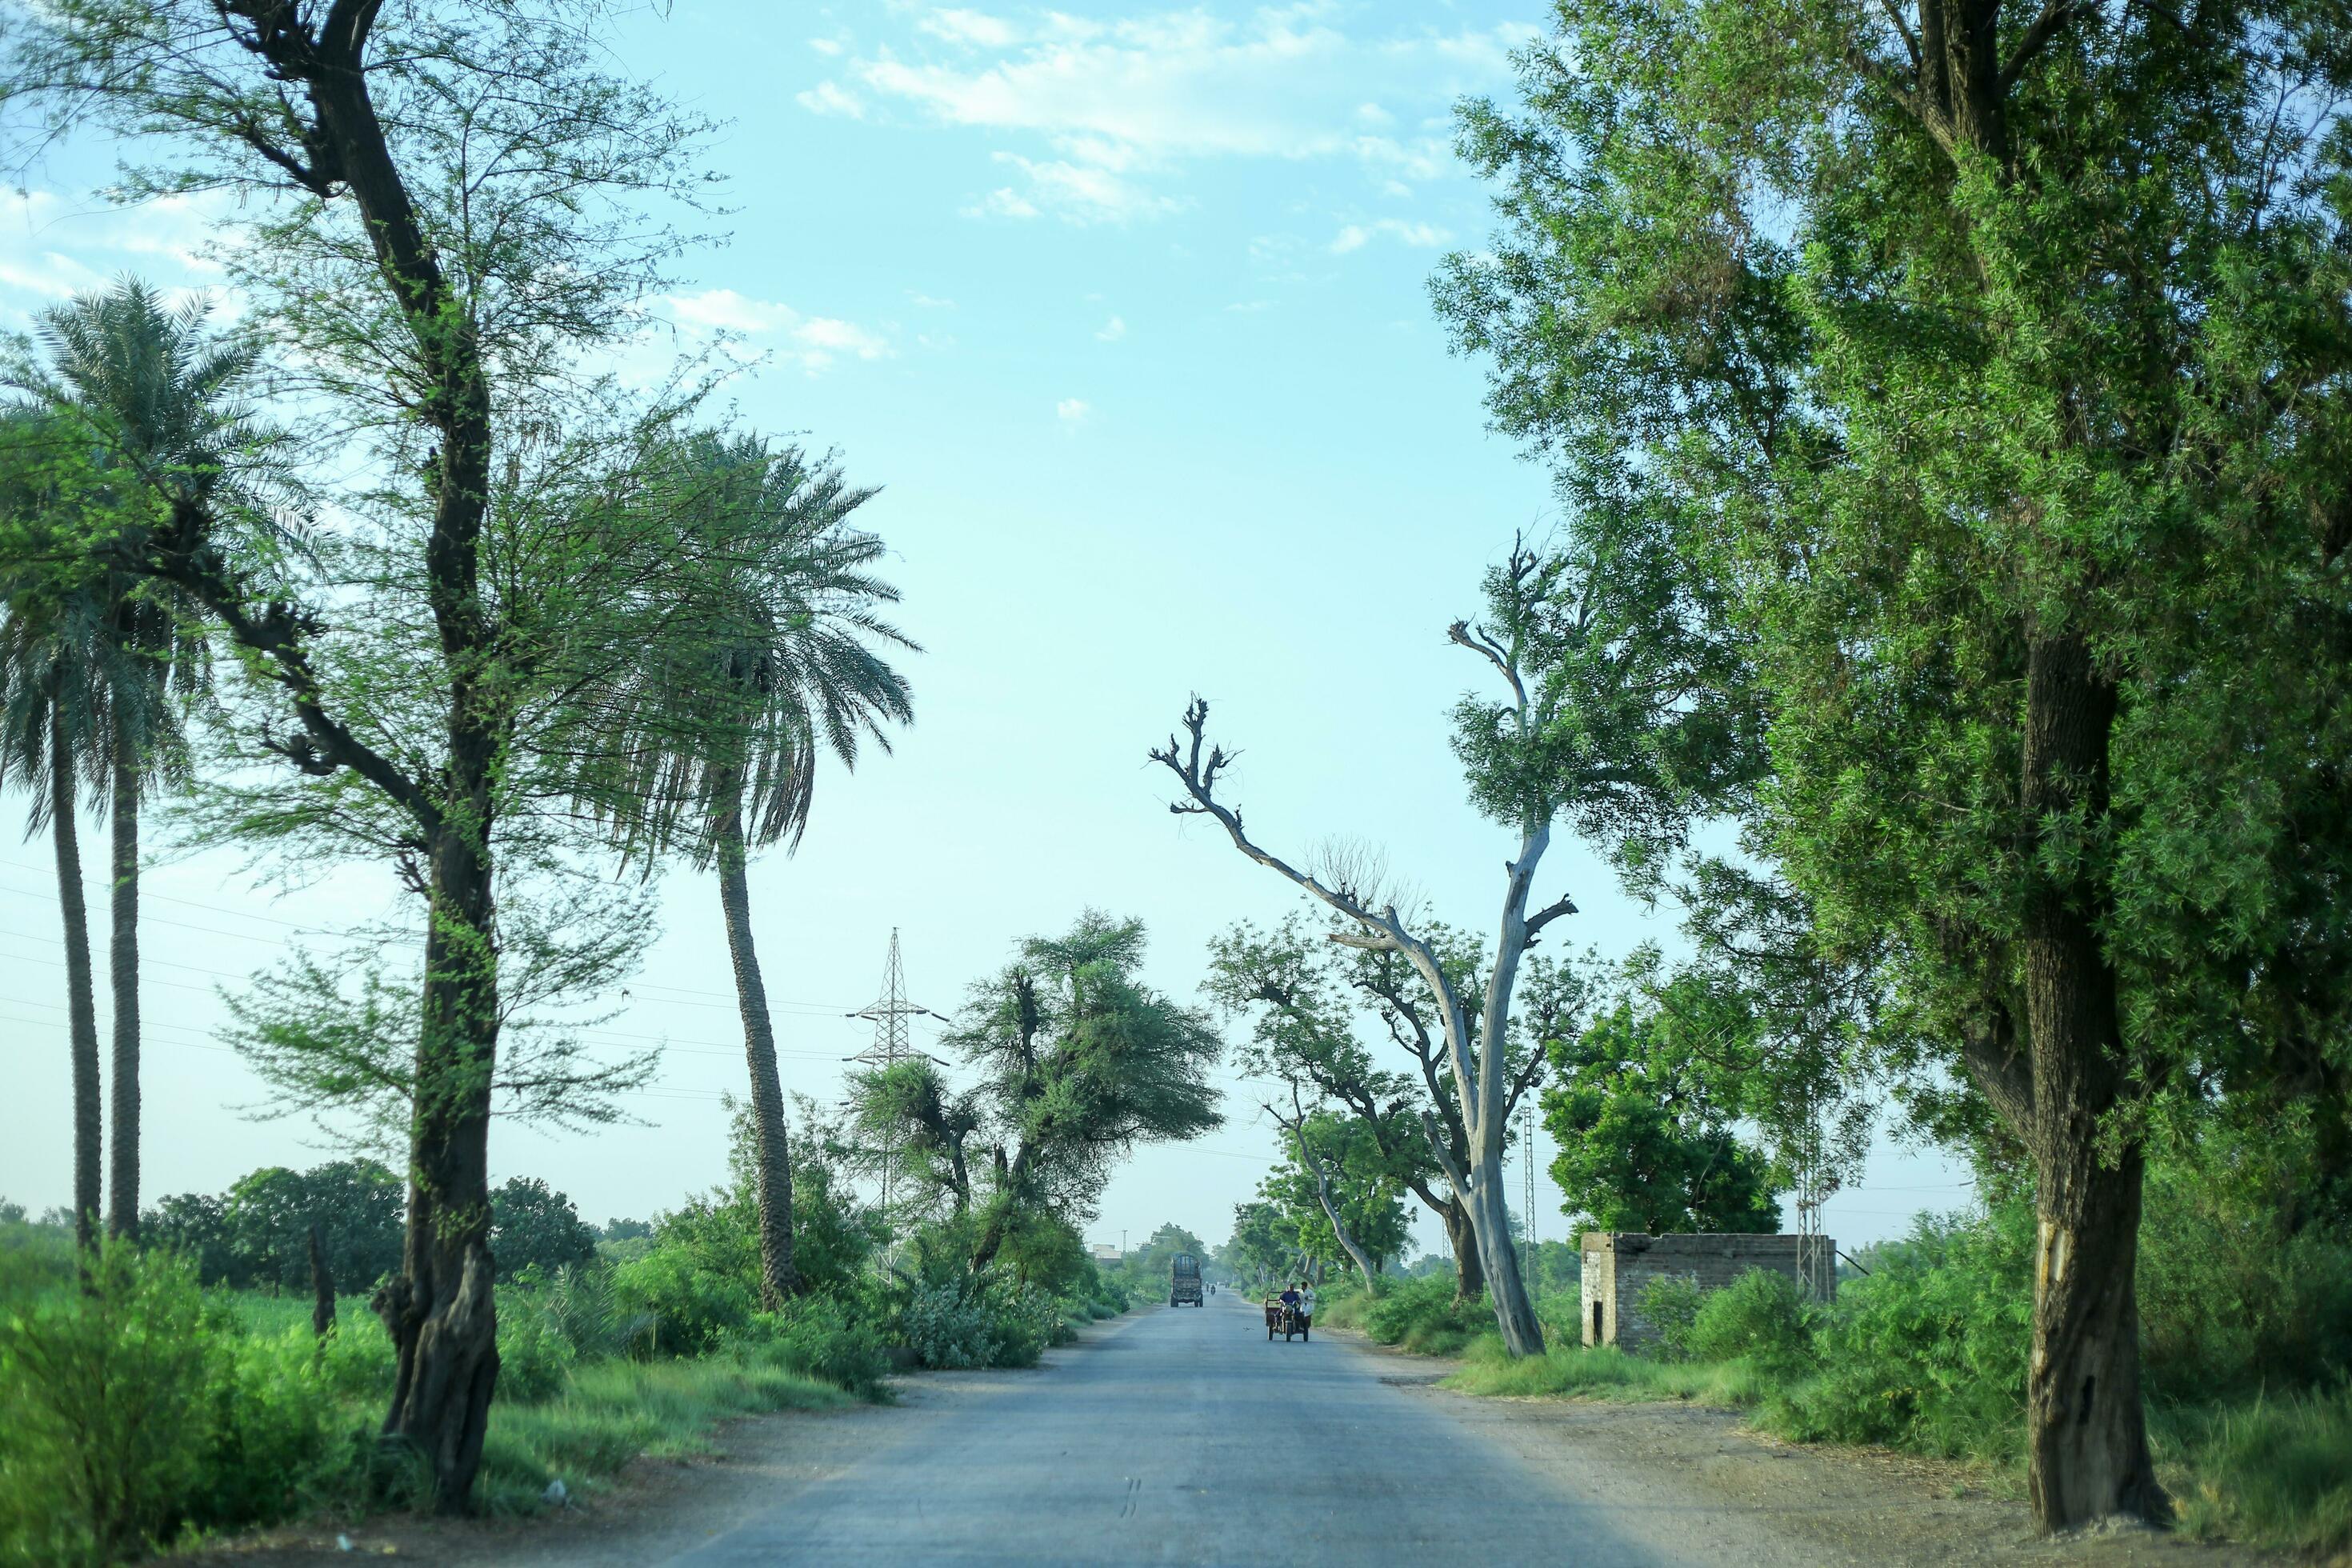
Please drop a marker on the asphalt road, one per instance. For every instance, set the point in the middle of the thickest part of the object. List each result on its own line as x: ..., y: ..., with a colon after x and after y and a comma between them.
x: 1182, y: 1436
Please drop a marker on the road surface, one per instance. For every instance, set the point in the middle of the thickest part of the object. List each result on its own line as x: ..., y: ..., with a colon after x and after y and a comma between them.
x: 1182, y: 1436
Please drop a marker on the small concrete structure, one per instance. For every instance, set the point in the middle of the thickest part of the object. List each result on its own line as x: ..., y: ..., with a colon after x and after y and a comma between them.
x: 1618, y: 1266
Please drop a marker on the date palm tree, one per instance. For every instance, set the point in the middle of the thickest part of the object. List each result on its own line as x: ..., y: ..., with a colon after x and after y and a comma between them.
x: 154, y: 394
x: 723, y: 723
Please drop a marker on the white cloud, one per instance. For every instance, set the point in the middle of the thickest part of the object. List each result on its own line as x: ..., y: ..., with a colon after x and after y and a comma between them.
x: 1249, y: 306
x: 1136, y: 95
x: 829, y: 47
x: 832, y: 98
x: 815, y: 344
x: 1072, y: 411
x: 53, y: 247
x: 974, y: 28
x: 1112, y: 330
x: 1075, y: 192
x: 926, y: 302
x: 1421, y: 236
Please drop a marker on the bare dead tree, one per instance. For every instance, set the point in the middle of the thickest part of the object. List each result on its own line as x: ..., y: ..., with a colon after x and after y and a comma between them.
x: 1473, y: 1030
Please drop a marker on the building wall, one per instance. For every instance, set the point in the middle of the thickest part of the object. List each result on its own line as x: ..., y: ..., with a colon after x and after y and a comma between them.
x: 1618, y: 1266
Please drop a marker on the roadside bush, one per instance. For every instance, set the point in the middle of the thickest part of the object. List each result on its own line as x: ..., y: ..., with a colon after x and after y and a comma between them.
x: 825, y: 1338
x: 978, y: 1319
x: 1670, y: 1305
x: 102, y: 1406
x: 1421, y: 1316
x: 1928, y: 1351
x: 1760, y: 1318
x: 2274, y: 1471
x: 686, y: 1305
x: 534, y: 1356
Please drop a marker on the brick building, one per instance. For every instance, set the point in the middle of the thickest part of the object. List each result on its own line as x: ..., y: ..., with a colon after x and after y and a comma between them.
x: 1617, y: 1265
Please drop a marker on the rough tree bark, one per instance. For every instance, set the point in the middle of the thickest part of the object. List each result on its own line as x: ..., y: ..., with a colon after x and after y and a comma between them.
x: 772, y: 1155
x: 81, y: 1007
x: 2087, y: 1434
x: 122, y: 962
x: 322, y: 1290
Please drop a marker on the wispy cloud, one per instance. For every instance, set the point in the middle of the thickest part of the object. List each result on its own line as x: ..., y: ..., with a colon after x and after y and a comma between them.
x: 814, y: 343
x: 832, y: 98
x: 1112, y: 330
x: 1073, y: 410
x: 1356, y: 236
x: 1121, y: 105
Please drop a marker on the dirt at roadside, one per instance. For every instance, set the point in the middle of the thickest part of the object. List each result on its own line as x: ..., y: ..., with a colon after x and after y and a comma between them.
x: 1850, y: 1505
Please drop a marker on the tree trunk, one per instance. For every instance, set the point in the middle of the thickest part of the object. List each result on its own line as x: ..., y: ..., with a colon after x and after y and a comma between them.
x: 322, y: 1290
x: 2087, y: 1434
x: 1490, y: 1220
x: 438, y: 1310
x: 1469, y: 1276
x: 82, y: 1008
x: 122, y: 1172
x: 778, y: 1278
x: 1362, y: 1259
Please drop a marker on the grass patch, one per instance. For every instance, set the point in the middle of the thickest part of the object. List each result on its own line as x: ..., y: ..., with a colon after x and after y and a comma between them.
x: 610, y: 1412
x: 2273, y: 1471
x: 1606, y: 1373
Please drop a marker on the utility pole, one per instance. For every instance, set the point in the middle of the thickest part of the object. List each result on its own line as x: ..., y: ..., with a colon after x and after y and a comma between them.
x: 891, y: 1046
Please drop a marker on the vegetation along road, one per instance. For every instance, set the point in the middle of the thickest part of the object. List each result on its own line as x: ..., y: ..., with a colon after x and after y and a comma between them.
x: 1182, y: 1436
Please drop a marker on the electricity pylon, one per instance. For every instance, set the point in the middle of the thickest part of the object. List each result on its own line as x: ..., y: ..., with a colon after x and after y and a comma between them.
x: 891, y: 1046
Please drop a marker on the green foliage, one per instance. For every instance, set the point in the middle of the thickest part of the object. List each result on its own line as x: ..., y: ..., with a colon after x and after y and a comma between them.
x: 977, y: 1320
x: 2274, y: 1470
x: 1670, y: 1304
x: 105, y: 1406
x: 1643, y: 1110
x: 827, y: 1337
x: 1421, y: 1316
x: 534, y: 1226
x: 1761, y: 1318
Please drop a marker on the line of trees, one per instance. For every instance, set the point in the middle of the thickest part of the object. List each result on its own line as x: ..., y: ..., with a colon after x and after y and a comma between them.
x: 496, y: 620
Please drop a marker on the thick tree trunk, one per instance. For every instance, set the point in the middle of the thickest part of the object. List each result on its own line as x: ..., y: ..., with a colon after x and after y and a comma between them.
x: 2086, y: 1434
x: 1490, y: 1220
x: 81, y: 1007
x: 122, y: 1166
x: 779, y: 1280
x: 1469, y: 1275
x: 438, y: 1308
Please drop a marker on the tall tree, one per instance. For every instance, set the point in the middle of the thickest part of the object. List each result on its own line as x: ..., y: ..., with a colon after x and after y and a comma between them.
x: 719, y: 733
x: 1474, y: 1023
x: 1986, y: 366
x: 55, y: 692
x: 442, y: 224
x: 160, y: 394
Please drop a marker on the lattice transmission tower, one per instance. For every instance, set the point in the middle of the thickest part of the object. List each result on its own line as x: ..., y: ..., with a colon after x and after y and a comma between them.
x: 1528, y: 1156
x: 891, y: 1046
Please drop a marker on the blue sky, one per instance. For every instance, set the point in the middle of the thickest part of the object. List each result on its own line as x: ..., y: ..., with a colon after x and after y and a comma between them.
x: 1127, y: 311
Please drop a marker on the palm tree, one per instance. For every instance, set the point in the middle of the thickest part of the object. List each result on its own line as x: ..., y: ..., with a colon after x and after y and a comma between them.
x: 54, y: 717
x: 154, y: 391
x: 718, y: 728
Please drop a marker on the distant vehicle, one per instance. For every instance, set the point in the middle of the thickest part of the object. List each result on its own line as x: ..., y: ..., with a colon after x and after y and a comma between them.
x: 1184, y: 1289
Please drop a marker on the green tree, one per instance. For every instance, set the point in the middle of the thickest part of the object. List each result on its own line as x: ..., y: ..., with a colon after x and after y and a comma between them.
x: 1340, y: 1189
x: 1264, y: 1245
x: 533, y: 1225
x: 722, y: 727
x: 160, y: 398
x: 1077, y: 1061
x: 195, y: 1225
x: 1984, y: 366
x: 442, y: 222
x: 54, y: 718
x: 1644, y: 1108
x: 354, y: 1203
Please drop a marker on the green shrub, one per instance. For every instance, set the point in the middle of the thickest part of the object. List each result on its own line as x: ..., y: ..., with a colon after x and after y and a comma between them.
x: 823, y: 1337
x: 962, y: 1320
x: 1928, y: 1351
x: 534, y: 1356
x: 279, y: 1440
x: 685, y: 1306
x: 102, y: 1410
x: 1670, y: 1305
x: 1421, y: 1316
x: 1761, y: 1317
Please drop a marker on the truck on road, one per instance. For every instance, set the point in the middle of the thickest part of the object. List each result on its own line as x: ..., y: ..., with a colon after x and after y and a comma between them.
x: 1184, y: 1286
